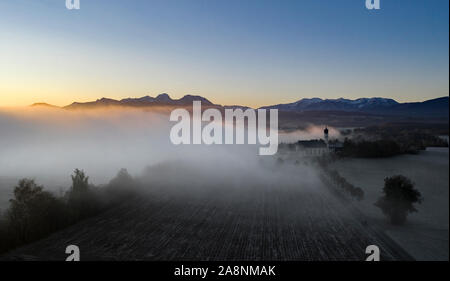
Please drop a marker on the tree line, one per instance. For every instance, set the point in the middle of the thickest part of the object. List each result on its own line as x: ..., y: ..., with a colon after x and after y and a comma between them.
x: 34, y: 212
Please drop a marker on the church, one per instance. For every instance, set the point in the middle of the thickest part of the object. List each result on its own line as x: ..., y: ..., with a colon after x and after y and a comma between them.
x: 317, y: 147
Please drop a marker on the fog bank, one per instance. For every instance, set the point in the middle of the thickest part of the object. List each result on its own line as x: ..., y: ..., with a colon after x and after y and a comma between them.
x: 48, y: 144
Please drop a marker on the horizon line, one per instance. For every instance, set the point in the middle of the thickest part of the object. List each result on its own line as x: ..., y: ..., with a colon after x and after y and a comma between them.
x: 235, y: 104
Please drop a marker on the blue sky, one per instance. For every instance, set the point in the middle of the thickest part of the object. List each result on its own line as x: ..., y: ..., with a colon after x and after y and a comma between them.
x: 251, y: 52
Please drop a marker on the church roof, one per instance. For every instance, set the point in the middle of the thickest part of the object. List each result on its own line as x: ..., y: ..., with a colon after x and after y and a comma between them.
x: 312, y: 143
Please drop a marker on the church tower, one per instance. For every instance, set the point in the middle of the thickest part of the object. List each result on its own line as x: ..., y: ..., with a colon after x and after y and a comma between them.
x: 325, y: 135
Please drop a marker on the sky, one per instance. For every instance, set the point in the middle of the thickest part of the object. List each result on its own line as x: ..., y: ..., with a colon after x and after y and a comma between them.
x: 246, y: 52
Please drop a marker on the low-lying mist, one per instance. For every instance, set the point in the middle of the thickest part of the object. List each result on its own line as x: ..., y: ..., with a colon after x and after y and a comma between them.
x: 48, y: 144
x: 309, y: 133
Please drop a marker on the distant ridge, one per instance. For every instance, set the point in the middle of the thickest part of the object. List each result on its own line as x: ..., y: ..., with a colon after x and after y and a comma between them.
x: 383, y: 106
x: 160, y: 100
x: 438, y: 107
x: 43, y: 104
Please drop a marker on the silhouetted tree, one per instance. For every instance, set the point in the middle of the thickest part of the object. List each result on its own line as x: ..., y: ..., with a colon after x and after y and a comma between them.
x: 80, y: 184
x: 81, y: 199
x: 121, y: 185
x: 398, y: 199
x: 34, y: 212
x: 122, y: 178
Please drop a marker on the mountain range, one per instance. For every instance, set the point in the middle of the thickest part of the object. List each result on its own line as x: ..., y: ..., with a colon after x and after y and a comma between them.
x: 430, y: 108
x: 160, y: 100
x: 438, y: 107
